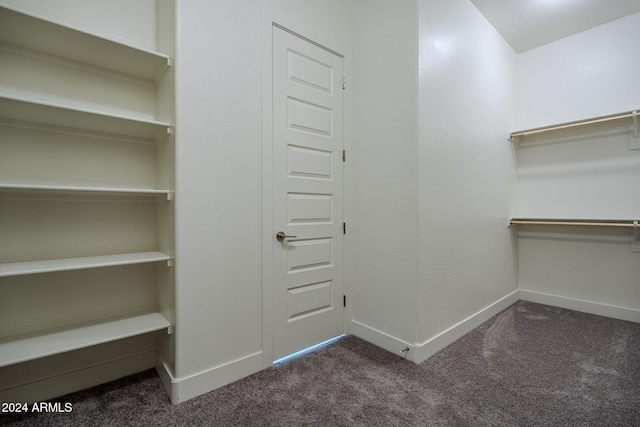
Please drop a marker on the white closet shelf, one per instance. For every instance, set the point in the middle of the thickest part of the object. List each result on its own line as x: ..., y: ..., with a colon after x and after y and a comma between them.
x: 70, y: 118
x: 25, y: 347
x: 66, y: 264
x: 67, y: 189
x: 612, y: 118
x: 54, y: 39
x: 590, y: 222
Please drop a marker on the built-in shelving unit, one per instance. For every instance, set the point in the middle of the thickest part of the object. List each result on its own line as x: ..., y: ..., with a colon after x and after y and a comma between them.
x: 83, y: 153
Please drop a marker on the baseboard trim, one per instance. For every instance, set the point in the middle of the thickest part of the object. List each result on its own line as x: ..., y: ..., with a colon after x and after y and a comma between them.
x: 381, y: 339
x: 433, y: 345
x: 591, y: 307
x: 182, y: 389
x: 80, y: 379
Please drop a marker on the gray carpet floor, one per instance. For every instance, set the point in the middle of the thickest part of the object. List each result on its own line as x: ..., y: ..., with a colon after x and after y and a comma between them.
x: 531, y: 365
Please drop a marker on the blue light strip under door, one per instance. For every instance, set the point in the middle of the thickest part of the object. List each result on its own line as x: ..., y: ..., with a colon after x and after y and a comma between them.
x: 308, y: 349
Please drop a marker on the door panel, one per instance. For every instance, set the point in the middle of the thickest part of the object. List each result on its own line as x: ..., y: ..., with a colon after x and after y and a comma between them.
x: 307, y: 193
x: 309, y: 299
x: 309, y: 208
x: 309, y: 163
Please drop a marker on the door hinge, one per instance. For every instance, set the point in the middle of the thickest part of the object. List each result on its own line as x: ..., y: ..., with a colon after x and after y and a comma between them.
x: 344, y: 155
x: 344, y: 300
x: 344, y: 83
x: 344, y: 228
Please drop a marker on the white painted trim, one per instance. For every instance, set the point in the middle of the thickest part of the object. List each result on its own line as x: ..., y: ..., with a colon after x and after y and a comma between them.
x: 165, y: 373
x: 591, y: 307
x: 183, y: 389
x: 381, y: 339
x: 348, y: 210
x: 433, y: 345
x: 80, y: 379
x: 267, y: 188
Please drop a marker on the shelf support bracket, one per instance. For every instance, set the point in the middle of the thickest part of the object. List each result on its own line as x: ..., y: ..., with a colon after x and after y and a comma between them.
x: 634, y: 137
x: 635, y: 243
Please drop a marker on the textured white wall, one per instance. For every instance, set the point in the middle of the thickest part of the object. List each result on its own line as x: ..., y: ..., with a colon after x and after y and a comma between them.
x: 218, y: 192
x: 584, y: 174
x: 589, y: 74
x: 590, y: 271
x: 467, y: 174
x: 385, y: 167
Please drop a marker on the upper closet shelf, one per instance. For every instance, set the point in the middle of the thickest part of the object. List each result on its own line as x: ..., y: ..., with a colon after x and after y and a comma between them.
x: 598, y: 222
x: 76, y: 119
x: 54, y: 39
x: 630, y: 116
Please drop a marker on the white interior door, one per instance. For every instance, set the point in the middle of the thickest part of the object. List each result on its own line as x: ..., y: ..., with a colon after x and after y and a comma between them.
x: 307, y: 193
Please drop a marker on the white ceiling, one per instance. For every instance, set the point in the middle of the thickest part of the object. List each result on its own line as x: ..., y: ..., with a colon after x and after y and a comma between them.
x: 526, y: 24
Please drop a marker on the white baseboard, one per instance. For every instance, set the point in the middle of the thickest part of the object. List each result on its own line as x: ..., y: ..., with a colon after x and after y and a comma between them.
x: 430, y: 347
x: 80, y: 379
x: 381, y: 339
x: 183, y: 389
x: 615, y: 312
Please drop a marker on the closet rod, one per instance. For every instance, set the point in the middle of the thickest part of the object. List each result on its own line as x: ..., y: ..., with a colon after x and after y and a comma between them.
x: 630, y: 223
x: 568, y: 125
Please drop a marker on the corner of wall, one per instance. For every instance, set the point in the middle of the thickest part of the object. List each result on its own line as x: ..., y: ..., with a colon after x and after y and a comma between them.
x: 182, y: 389
x: 383, y: 340
x: 433, y: 345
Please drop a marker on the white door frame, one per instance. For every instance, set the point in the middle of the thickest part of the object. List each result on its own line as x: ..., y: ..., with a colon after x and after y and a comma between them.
x: 269, y: 17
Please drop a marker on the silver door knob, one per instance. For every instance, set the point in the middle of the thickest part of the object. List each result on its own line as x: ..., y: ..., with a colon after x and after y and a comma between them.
x: 280, y: 236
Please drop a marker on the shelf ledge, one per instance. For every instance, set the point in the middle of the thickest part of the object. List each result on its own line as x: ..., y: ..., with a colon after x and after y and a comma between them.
x: 38, y: 34
x: 25, y: 110
x: 63, y: 189
x: 513, y: 136
x: 25, y: 347
x: 81, y: 263
x: 629, y: 223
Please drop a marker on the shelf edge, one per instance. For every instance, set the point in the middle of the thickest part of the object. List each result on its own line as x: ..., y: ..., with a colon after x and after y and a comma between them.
x: 22, y: 268
x: 26, y: 347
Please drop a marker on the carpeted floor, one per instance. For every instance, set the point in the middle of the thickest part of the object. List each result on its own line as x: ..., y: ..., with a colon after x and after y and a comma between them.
x: 531, y: 365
